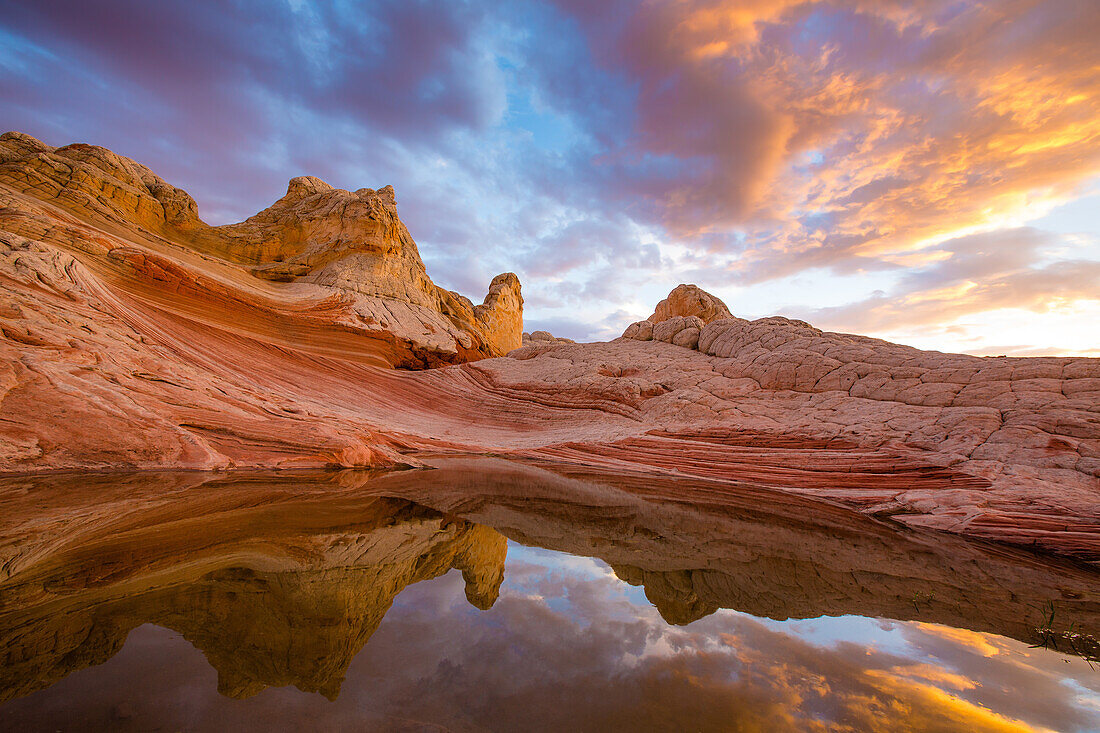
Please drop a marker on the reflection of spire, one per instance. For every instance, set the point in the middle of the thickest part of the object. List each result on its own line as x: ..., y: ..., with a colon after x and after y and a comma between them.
x: 299, y: 621
x: 481, y: 560
x: 697, y: 546
x: 672, y: 593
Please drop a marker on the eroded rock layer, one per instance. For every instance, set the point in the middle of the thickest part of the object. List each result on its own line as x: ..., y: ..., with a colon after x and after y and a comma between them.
x: 347, y: 253
x: 132, y: 336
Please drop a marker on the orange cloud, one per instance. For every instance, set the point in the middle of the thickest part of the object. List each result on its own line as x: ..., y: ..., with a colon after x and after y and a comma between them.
x: 1018, y: 268
x: 984, y: 644
x: 921, y: 121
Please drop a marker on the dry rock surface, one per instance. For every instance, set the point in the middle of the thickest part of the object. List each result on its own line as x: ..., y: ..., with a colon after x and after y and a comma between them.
x: 544, y: 337
x: 690, y: 300
x: 133, y: 336
x: 346, y: 252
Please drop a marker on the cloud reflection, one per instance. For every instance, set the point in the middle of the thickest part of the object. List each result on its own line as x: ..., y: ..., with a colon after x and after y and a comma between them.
x: 569, y: 646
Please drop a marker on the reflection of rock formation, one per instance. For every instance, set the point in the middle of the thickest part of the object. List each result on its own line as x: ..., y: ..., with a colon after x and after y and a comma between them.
x: 281, y: 578
x: 303, y: 628
x: 274, y: 585
x: 697, y: 546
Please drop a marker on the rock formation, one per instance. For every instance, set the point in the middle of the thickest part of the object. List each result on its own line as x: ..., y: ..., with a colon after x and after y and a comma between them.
x: 690, y: 300
x: 680, y: 330
x: 133, y: 336
x: 351, y: 248
x: 544, y: 337
x: 679, y: 319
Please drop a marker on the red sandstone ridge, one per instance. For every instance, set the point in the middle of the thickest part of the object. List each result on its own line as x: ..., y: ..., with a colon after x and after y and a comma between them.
x: 133, y: 336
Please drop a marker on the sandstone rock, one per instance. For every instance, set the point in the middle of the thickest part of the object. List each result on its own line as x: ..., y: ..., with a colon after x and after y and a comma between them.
x: 640, y: 331
x: 500, y: 316
x: 687, y: 338
x: 690, y: 300
x: 544, y: 337
x: 352, y: 246
x: 126, y: 344
x: 95, y: 181
x: 670, y: 331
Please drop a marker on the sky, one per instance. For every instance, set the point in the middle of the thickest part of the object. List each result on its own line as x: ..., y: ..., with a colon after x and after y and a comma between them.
x: 922, y: 170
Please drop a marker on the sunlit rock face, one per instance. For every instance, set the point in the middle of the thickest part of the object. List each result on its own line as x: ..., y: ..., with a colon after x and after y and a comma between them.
x: 690, y: 301
x: 352, y: 246
x: 277, y: 581
x: 133, y: 336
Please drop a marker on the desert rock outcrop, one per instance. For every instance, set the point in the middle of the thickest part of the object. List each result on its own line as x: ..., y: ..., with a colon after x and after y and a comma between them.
x: 680, y: 330
x: 128, y: 340
x: 348, y: 250
x: 690, y: 300
x: 544, y: 337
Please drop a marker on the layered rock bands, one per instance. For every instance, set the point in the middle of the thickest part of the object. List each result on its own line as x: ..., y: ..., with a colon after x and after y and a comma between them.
x: 134, y: 336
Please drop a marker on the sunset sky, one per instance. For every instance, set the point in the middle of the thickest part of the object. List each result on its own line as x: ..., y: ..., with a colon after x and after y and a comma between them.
x: 923, y: 171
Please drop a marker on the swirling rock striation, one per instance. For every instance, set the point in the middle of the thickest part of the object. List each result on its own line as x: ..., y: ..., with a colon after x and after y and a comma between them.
x: 133, y: 336
x: 351, y: 246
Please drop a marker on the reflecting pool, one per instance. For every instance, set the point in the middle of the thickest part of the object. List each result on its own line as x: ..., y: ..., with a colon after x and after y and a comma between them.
x: 493, y: 595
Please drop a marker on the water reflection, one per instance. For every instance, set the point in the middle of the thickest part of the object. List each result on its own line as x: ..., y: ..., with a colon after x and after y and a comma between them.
x: 272, y: 594
x: 281, y: 581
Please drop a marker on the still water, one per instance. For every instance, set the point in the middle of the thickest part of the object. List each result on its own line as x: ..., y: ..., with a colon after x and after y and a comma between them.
x: 487, y: 595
